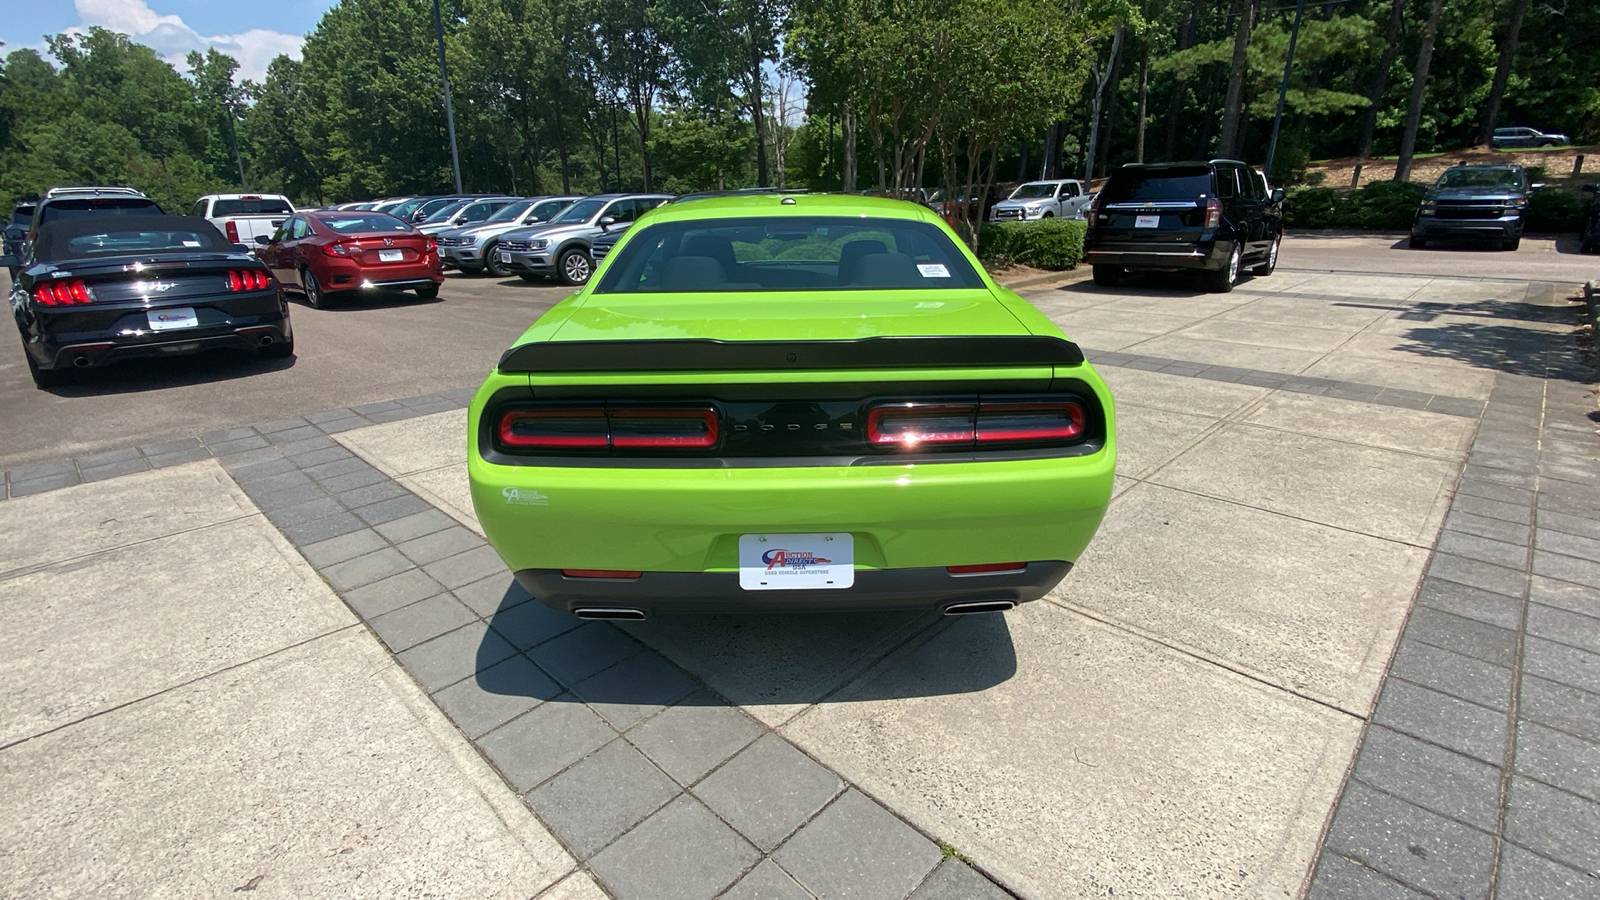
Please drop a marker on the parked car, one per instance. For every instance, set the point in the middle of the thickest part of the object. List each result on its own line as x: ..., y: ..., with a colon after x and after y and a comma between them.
x: 707, y: 425
x: 1508, y: 138
x: 979, y: 204
x: 475, y: 248
x: 326, y: 255
x: 62, y: 203
x: 561, y: 249
x: 468, y: 212
x: 16, y: 232
x: 1589, y: 231
x: 1215, y: 217
x: 95, y: 290
x: 1480, y: 202
x: 1061, y: 198
x: 243, y: 217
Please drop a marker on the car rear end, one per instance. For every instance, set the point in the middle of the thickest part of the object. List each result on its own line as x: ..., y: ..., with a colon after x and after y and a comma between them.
x: 114, y: 304
x: 376, y: 258
x: 244, y: 217
x: 1157, y: 217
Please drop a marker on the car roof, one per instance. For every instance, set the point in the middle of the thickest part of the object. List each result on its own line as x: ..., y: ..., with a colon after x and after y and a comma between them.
x: 1484, y: 166
x: 743, y: 205
x: 69, y: 191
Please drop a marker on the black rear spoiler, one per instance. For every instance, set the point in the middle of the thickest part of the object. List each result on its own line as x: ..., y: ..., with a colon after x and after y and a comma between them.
x: 704, y: 355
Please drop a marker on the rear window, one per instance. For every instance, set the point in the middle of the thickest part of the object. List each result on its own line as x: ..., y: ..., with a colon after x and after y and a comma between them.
x: 788, y: 254
x: 264, y: 206
x: 118, y: 243
x: 22, y: 215
x: 1159, y: 184
x: 127, y: 235
x: 98, y: 206
x: 363, y: 223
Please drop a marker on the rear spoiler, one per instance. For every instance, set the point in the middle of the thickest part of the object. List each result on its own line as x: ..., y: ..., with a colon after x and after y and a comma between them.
x: 705, y: 355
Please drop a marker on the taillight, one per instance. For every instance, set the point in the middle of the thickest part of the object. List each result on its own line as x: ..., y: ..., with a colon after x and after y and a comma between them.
x: 984, y: 424
x: 916, y: 424
x: 663, y: 428
x: 335, y: 249
x: 248, y: 280
x: 430, y: 246
x: 62, y: 293
x: 1016, y: 422
x: 1213, y: 212
x: 1094, y: 210
x: 232, y: 228
x: 596, y: 428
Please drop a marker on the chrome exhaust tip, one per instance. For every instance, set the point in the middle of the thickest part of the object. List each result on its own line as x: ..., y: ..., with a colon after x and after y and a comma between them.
x: 612, y: 613
x: 266, y: 340
x: 80, y: 362
x: 978, y: 606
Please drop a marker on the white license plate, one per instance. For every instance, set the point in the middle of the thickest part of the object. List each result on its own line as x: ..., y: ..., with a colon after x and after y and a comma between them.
x: 391, y: 255
x: 171, y: 319
x: 788, y: 562
x: 1147, y: 221
x: 505, y: 259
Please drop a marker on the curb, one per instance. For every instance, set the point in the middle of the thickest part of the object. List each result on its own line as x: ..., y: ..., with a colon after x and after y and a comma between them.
x: 1078, y: 273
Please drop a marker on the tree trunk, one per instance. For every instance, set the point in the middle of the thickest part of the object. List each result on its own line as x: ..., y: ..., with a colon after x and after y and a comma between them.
x: 1098, y: 101
x: 1108, y: 115
x: 1175, y: 101
x: 1050, y: 165
x: 1380, y: 78
x: 1022, y: 160
x: 1233, y: 107
x: 1502, y: 71
x: 847, y: 131
x: 1419, y: 88
x: 1144, y: 103
x: 763, y: 176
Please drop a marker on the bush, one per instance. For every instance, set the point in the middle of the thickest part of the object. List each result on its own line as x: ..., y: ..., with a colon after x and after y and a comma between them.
x: 1379, y: 206
x: 1554, y: 210
x: 1045, y: 244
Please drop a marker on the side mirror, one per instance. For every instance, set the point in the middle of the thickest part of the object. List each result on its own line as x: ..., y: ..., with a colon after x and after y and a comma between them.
x: 9, y: 261
x: 1277, y: 195
x: 1536, y: 186
x: 263, y: 239
x: 244, y: 248
x: 606, y: 222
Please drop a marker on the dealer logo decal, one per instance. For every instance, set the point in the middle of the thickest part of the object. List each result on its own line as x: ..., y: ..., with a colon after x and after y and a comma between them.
x: 524, y: 497
x: 792, y: 559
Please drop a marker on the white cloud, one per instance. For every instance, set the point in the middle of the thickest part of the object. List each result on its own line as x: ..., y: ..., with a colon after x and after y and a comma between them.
x: 172, y: 39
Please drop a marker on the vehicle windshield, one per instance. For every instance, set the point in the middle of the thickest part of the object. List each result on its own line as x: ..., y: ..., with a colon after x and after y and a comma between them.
x: 445, y: 214
x: 786, y: 253
x: 430, y: 207
x: 1480, y: 178
x: 98, y: 206
x: 582, y: 211
x: 364, y: 223
x: 510, y: 212
x: 258, y: 206
x: 1160, y: 184
x: 405, y: 209
x: 548, y: 210
x: 1033, y: 192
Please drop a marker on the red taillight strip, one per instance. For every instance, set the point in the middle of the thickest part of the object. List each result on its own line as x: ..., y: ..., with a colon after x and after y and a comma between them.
x: 62, y: 293
x: 593, y: 419
x: 986, y: 568
x: 248, y: 280
x: 595, y: 428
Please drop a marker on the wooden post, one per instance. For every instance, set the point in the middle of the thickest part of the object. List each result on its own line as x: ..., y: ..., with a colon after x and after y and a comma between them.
x: 1355, y: 177
x: 1577, y: 165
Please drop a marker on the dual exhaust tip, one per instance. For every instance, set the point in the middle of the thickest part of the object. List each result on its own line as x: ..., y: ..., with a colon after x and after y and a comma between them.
x: 628, y: 614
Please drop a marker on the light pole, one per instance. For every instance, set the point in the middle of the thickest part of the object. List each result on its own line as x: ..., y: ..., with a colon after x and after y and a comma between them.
x: 1283, y: 87
x: 449, y: 113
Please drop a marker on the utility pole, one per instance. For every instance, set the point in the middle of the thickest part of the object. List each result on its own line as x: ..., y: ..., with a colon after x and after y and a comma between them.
x: 449, y: 113
x: 1283, y: 87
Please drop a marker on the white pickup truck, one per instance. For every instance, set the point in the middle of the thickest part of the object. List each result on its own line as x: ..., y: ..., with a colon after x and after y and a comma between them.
x: 1062, y: 198
x: 244, y: 216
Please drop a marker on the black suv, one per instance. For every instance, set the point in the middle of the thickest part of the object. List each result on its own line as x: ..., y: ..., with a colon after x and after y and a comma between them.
x: 80, y: 202
x: 1487, y: 202
x: 1216, y: 217
x: 16, y: 233
x: 1589, y: 231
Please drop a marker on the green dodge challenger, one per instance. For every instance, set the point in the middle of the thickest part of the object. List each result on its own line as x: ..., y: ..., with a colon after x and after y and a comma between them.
x: 801, y: 402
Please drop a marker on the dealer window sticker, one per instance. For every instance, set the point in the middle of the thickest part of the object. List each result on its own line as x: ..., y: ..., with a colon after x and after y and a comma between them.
x: 933, y: 270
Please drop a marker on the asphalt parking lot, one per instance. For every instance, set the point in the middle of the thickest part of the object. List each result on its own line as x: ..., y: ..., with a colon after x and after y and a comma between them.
x: 1337, y: 637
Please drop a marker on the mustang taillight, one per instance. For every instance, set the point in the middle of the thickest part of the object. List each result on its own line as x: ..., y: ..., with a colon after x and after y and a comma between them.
x: 248, y: 280
x: 595, y: 428
x: 62, y: 293
x: 985, y: 424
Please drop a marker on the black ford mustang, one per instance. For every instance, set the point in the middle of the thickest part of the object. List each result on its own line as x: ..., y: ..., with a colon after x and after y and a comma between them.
x: 96, y: 290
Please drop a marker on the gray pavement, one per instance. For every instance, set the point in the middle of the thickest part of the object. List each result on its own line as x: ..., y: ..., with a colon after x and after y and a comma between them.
x: 1181, y: 718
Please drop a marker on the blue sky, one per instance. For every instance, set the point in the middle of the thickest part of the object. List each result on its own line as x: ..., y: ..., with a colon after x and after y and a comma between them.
x: 252, y: 31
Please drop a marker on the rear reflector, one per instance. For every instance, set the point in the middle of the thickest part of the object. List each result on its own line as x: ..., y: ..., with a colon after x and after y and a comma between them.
x: 986, y: 568
x: 597, y: 428
x: 62, y: 293
x: 600, y: 573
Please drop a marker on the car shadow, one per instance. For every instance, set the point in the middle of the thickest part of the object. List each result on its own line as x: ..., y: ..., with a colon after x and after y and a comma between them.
x: 746, y: 660
x: 353, y: 301
x: 139, y: 375
x: 1452, y: 245
x: 1155, y: 284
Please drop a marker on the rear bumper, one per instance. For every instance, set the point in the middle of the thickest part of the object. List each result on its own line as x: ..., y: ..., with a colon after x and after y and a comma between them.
x: 1208, y: 256
x: 345, y: 275
x: 712, y: 592
x: 87, y: 338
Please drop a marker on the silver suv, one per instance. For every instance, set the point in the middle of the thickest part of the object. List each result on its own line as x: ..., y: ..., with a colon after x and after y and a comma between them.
x: 475, y: 248
x: 561, y: 248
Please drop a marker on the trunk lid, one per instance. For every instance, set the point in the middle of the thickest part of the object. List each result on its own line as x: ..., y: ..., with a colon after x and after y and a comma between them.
x: 377, y: 250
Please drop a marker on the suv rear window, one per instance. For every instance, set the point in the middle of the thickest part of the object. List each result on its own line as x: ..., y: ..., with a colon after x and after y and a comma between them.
x: 1157, y: 184
x: 266, y: 206
x: 79, y: 207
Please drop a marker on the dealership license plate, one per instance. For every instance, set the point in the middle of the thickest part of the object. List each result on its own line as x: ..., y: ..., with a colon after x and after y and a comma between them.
x: 1147, y: 221
x: 505, y: 258
x: 391, y: 255
x: 788, y: 562
x: 172, y: 319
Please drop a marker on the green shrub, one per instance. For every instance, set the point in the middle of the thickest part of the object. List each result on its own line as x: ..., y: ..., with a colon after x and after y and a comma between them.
x: 1045, y: 244
x: 1379, y: 206
x: 1315, y: 207
x: 1553, y: 210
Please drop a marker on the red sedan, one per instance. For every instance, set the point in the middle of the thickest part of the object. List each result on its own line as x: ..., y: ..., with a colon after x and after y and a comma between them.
x: 327, y: 254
